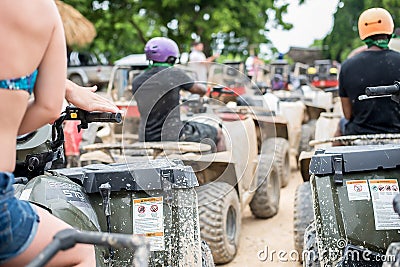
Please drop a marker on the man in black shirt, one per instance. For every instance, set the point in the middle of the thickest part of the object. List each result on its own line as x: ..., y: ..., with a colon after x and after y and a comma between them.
x: 157, y: 93
x: 377, y: 65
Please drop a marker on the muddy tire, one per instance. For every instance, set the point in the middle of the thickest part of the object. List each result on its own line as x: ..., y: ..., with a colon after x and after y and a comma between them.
x: 310, y: 245
x: 220, y: 219
x: 303, y: 214
x: 279, y: 148
x: 206, y: 255
x: 265, y: 202
x: 307, y: 134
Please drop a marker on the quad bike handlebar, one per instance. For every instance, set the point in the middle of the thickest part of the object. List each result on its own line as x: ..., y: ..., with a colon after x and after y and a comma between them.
x: 68, y: 238
x: 383, y: 90
x: 86, y: 117
x: 35, y: 164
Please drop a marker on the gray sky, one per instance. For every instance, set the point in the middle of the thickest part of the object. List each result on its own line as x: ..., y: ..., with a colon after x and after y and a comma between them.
x: 312, y: 20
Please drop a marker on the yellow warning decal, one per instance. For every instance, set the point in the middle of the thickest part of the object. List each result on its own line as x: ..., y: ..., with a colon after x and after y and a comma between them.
x: 383, y: 181
x: 154, y: 234
x: 150, y: 199
x: 356, y: 181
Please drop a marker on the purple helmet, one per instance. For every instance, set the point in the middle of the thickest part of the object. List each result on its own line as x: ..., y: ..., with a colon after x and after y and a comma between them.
x: 160, y: 49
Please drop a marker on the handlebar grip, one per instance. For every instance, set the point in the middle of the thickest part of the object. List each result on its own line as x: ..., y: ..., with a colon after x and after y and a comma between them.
x: 109, y: 239
x: 103, y: 117
x: 67, y: 238
x: 383, y: 90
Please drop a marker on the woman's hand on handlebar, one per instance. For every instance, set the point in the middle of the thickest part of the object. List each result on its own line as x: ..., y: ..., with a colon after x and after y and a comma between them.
x: 86, y: 98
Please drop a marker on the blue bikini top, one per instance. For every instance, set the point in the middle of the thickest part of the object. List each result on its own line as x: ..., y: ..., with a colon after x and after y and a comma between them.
x: 26, y: 83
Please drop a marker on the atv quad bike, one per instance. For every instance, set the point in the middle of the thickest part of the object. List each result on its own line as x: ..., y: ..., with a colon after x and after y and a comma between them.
x: 302, y: 107
x: 323, y: 74
x: 234, y: 178
x: 280, y: 67
x: 350, y: 215
x: 245, y: 174
x: 353, y: 189
x: 151, y: 198
x: 325, y: 128
x: 229, y: 85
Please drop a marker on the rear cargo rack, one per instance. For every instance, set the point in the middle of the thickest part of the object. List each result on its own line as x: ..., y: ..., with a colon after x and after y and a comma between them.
x: 141, y: 175
x: 347, y: 159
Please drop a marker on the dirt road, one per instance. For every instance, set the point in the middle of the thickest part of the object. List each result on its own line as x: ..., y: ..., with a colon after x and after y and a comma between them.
x: 270, y: 240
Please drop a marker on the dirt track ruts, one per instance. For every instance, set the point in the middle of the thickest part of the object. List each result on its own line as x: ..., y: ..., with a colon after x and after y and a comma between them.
x: 272, y: 235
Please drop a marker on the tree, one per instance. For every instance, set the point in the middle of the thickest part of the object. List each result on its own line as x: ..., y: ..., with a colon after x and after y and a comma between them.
x: 344, y: 35
x: 124, y: 26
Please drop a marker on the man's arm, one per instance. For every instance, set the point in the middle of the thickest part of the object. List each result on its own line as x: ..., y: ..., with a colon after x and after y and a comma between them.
x: 346, y: 107
x: 212, y: 58
x: 201, y: 58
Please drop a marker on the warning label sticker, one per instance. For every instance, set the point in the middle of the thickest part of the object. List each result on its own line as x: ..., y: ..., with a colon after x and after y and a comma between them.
x: 358, y: 190
x: 148, y: 221
x: 382, y: 192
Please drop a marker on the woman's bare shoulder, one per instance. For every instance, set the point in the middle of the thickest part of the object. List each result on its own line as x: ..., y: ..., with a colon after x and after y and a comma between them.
x: 29, y: 13
x: 30, y: 24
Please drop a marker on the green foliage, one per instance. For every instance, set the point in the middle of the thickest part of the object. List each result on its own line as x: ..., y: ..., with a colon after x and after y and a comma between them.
x: 124, y: 26
x: 344, y: 35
